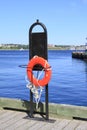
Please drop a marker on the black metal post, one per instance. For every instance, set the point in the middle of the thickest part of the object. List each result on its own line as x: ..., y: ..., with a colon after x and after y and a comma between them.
x: 46, y: 102
x: 31, y: 105
x: 38, y: 46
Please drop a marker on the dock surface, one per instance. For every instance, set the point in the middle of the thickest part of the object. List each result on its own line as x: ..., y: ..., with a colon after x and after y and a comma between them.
x: 15, y: 120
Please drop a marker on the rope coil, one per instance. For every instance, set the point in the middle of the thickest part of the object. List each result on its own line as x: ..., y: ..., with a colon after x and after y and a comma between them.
x: 37, y: 92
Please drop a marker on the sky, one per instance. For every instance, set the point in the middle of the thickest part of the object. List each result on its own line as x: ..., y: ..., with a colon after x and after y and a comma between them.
x: 65, y: 20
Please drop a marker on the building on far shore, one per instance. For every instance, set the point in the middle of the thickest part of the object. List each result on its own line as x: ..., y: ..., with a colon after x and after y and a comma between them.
x: 86, y: 48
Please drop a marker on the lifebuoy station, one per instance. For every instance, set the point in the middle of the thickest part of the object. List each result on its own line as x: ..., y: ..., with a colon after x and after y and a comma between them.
x: 38, y: 69
x: 22, y: 114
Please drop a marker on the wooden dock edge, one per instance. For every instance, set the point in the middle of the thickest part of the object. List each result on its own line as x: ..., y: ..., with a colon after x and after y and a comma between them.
x: 55, y: 110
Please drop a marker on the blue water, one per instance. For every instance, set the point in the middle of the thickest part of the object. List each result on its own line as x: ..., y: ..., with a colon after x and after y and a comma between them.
x: 68, y: 83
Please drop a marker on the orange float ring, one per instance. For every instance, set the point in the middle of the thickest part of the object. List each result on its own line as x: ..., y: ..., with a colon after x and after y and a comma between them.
x: 41, y: 61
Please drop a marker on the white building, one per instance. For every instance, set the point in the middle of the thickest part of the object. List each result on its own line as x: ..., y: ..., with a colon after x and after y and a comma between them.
x: 86, y: 46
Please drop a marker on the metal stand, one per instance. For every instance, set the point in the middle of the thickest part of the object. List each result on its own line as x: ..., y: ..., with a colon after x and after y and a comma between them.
x: 46, y: 102
x: 38, y: 46
x: 31, y: 105
x: 46, y: 113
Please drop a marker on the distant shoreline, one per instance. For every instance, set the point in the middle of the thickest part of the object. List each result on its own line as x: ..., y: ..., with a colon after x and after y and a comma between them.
x: 28, y: 49
x: 50, y: 47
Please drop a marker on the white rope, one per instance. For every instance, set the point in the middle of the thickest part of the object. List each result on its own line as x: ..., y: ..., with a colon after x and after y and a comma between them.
x: 37, y: 92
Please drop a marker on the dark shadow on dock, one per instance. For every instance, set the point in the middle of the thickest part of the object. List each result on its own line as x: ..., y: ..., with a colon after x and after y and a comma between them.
x: 39, y: 111
x: 80, y: 118
x: 25, y: 107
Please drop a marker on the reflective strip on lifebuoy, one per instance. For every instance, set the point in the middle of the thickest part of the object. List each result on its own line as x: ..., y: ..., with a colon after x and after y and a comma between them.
x: 47, y: 69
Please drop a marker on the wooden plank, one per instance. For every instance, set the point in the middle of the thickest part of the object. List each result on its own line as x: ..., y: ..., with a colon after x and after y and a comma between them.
x: 1, y: 112
x: 6, y: 119
x: 21, y: 123
x: 82, y: 126
x: 27, y: 126
x: 14, y: 103
x: 72, y: 125
x: 13, y: 120
x: 49, y: 126
x: 33, y: 123
x: 64, y: 110
x: 62, y: 124
x: 5, y: 115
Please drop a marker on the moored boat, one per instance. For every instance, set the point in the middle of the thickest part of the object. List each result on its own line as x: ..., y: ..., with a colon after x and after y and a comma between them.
x: 80, y: 55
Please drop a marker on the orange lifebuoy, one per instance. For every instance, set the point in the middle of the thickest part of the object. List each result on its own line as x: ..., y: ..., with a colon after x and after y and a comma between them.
x: 41, y: 61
